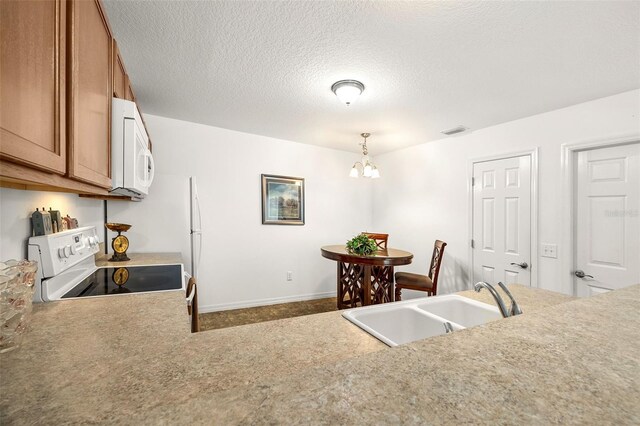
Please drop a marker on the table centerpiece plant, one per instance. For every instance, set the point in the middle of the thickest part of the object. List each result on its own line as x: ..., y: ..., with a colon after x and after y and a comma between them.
x: 362, y: 245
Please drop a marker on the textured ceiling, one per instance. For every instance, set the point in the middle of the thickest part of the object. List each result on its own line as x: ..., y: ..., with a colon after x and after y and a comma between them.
x: 266, y: 67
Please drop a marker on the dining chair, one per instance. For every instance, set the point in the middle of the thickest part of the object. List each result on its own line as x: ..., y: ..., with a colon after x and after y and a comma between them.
x: 426, y: 283
x: 379, y: 293
x: 192, y: 304
x: 380, y: 239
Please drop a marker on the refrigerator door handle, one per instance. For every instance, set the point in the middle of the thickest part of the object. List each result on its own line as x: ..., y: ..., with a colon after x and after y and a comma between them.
x: 199, y: 213
x: 196, y: 254
x: 196, y: 228
x: 199, y: 232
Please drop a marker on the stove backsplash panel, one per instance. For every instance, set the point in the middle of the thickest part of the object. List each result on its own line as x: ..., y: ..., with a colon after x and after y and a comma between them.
x: 16, y: 207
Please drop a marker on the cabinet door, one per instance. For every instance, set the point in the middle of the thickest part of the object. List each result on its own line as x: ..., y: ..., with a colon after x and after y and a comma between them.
x: 32, y: 75
x: 90, y: 91
x: 119, y: 74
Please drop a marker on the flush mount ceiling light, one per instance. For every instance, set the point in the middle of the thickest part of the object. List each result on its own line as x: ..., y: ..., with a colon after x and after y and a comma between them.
x: 364, y: 167
x: 347, y: 90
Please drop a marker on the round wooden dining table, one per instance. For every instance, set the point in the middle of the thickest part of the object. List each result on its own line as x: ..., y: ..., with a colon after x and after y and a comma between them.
x: 365, y: 280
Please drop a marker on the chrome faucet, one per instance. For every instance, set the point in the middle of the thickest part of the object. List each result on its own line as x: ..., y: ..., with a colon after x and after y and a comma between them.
x: 448, y: 328
x: 514, y: 310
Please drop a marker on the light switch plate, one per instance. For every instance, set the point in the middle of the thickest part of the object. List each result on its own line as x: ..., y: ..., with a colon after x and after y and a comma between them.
x: 550, y: 250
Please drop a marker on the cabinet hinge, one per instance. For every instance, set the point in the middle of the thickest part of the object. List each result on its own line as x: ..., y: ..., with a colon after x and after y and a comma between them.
x: 473, y: 245
x: 473, y: 181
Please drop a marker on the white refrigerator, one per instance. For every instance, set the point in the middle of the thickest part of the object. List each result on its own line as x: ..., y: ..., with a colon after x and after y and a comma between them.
x: 195, y: 227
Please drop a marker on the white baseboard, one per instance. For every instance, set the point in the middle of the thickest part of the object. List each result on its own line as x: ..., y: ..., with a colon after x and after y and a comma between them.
x: 262, y: 302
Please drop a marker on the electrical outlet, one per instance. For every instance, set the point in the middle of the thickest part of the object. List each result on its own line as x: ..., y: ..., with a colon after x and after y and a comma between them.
x: 550, y: 250
x: 289, y: 275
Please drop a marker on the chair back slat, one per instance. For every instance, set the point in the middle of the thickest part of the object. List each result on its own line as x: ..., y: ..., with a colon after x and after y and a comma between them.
x: 436, y: 262
x: 380, y: 239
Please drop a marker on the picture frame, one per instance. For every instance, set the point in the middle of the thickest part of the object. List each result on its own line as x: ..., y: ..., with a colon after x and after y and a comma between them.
x: 282, y: 200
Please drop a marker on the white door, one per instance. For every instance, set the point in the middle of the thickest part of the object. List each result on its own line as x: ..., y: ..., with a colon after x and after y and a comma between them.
x: 501, y: 243
x: 607, y: 212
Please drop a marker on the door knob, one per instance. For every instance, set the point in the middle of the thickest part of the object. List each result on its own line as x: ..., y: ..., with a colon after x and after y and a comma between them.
x: 580, y: 274
x: 523, y: 265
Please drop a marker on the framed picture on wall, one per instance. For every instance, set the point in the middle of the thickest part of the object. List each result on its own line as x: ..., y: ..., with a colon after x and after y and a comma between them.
x: 282, y: 200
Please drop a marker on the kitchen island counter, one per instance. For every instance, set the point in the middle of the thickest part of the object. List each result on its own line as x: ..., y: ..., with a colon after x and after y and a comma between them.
x: 132, y: 359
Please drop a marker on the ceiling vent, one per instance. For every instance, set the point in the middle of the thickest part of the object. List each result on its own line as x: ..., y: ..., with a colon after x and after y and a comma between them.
x: 454, y: 130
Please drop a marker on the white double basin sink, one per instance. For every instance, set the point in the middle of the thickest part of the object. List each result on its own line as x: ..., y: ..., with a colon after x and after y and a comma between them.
x: 416, y: 319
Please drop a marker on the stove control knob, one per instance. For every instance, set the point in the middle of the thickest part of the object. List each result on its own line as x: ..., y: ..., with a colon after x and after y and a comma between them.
x: 67, y: 251
x: 61, y: 252
x: 74, y: 250
x: 92, y: 241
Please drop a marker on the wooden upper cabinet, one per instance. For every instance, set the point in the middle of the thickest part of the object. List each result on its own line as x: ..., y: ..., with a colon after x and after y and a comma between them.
x: 119, y: 74
x: 89, y: 92
x: 32, y: 83
x: 122, y: 87
x: 128, y: 91
x: 121, y: 83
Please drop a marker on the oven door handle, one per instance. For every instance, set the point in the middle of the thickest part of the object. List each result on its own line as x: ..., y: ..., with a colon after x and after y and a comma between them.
x: 191, y: 295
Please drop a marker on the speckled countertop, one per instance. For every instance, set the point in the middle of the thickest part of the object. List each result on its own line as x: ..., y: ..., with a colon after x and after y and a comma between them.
x: 131, y: 359
x: 102, y: 259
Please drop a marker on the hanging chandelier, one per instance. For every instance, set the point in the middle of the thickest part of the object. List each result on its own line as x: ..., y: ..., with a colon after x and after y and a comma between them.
x: 364, y: 167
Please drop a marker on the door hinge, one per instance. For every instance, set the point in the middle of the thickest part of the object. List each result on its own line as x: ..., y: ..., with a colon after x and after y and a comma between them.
x: 473, y: 245
x: 473, y: 181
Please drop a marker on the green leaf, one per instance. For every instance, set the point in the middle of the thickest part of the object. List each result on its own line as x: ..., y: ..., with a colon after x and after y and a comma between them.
x: 362, y: 245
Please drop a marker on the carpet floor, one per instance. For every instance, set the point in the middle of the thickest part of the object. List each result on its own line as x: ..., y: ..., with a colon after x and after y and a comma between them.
x: 231, y: 318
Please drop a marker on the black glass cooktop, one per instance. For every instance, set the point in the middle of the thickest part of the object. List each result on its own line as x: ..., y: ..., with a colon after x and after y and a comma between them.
x: 132, y: 279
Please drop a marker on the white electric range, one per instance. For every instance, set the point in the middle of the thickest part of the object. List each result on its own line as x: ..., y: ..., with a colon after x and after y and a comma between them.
x: 67, y: 269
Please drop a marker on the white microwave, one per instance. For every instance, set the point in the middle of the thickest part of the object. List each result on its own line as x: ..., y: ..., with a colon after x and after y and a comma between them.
x: 132, y: 167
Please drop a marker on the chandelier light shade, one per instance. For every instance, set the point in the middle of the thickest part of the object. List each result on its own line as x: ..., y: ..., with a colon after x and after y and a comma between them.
x: 347, y: 90
x: 364, y: 167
